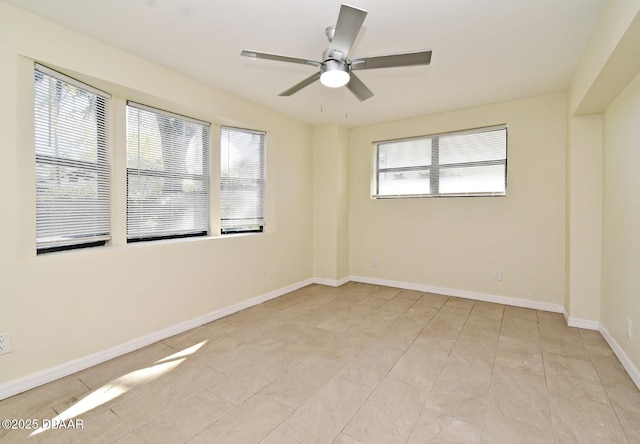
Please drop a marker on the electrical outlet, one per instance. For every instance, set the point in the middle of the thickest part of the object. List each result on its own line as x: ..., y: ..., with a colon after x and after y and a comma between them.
x: 270, y: 273
x: 5, y: 343
x: 497, y: 275
x: 374, y: 261
x: 629, y: 328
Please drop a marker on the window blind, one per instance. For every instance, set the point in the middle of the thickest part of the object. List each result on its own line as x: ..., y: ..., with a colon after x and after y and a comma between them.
x: 242, y: 161
x: 167, y: 174
x: 72, y: 162
x: 462, y: 163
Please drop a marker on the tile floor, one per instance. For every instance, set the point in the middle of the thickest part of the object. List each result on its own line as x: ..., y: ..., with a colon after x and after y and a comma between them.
x: 354, y: 364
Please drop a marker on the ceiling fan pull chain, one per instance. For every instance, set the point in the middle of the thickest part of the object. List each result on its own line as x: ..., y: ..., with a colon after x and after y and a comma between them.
x: 346, y: 110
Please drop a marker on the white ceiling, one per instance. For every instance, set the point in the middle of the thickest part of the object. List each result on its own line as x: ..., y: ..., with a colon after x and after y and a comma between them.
x: 483, y: 51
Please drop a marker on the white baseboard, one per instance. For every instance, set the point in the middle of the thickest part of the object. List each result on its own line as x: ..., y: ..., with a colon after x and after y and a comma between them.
x: 331, y: 282
x: 525, y: 303
x: 580, y: 323
x: 68, y: 368
x: 588, y: 324
x: 628, y: 365
x: 34, y: 380
x: 624, y: 359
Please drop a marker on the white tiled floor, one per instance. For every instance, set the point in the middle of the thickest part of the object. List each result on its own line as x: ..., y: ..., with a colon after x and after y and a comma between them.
x: 355, y: 364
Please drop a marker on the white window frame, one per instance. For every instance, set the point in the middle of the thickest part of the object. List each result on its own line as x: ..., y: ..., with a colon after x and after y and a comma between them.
x: 232, y: 222
x: 65, y: 219
x: 432, y: 170
x: 143, y: 226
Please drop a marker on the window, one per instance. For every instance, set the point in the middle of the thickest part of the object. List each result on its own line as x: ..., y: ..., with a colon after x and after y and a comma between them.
x: 242, y: 180
x: 464, y: 163
x: 72, y: 165
x: 167, y: 175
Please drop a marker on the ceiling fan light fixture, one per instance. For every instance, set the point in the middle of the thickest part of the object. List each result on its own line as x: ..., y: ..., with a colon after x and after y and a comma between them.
x: 334, y: 74
x: 336, y: 67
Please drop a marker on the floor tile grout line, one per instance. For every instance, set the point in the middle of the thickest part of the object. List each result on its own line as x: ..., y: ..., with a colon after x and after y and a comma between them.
x: 486, y: 407
x: 281, y: 422
x: 548, y: 325
x: 448, y: 354
x: 611, y: 404
x: 546, y: 380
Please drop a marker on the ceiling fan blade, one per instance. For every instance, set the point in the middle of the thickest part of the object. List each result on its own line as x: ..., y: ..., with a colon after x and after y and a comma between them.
x: 277, y: 57
x: 350, y: 21
x: 297, y: 87
x: 358, y: 88
x: 392, y: 61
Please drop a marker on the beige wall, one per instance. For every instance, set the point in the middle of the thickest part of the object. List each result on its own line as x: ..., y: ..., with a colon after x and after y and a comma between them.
x: 621, y: 220
x: 610, y: 60
x: 63, y: 306
x: 566, y: 226
x: 330, y: 203
x: 584, y: 217
x: 458, y: 243
x: 603, y: 109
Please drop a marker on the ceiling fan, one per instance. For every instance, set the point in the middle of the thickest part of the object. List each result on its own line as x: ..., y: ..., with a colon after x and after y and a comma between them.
x: 336, y: 69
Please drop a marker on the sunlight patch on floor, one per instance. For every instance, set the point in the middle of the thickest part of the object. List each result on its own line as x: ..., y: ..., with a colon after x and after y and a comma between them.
x: 123, y: 384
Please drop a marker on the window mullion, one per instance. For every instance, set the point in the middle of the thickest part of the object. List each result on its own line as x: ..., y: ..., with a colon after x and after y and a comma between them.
x: 434, y: 173
x: 470, y: 162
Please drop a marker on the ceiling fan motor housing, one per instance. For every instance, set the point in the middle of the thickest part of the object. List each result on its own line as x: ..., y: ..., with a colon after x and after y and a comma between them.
x: 333, y: 54
x: 334, y: 65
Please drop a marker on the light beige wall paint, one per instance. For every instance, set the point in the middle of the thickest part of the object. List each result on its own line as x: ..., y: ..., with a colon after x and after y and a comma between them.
x: 587, y: 87
x: 621, y: 220
x: 331, y: 202
x: 606, y: 70
x: 584, y: 216
x: 343, y: 181
x: 63, y: 306
x: 458, y: 243
x: 567, y: 230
